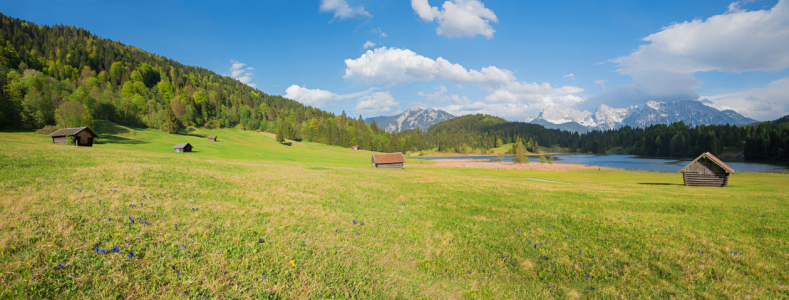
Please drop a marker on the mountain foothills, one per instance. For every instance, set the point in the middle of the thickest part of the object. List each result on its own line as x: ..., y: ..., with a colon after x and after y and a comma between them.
x: 692, y: 113
x: 411, y: 119
x: 479, y: 133
x: 67, y: 77
x: 61, y: 76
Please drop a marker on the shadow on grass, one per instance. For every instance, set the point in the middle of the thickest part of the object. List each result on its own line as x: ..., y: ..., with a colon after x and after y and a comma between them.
x: 659, y: 183
x: 287, y: 144
x: 113, y: 139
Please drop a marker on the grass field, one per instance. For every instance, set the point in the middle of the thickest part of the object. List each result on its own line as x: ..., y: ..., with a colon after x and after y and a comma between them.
x: 246, y: 217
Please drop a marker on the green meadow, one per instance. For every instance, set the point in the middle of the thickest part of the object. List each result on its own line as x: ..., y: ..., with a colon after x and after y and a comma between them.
x: 246, y: 217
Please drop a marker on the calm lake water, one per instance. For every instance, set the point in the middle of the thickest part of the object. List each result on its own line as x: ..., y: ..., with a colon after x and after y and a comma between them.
x: 638, y: 162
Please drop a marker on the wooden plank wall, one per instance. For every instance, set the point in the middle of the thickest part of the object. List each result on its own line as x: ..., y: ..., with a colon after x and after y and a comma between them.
x: 389, y: 166
x: 696, y: 179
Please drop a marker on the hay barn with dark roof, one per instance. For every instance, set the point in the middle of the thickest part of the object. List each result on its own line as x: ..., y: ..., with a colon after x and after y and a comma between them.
x: 388, y: 160
x: 706, y: 170
x: 183, y: 147
x: 83, y: 136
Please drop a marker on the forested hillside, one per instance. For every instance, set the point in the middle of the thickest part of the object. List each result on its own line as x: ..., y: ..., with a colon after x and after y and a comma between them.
x: 479, y: 133
x: 62, y: 76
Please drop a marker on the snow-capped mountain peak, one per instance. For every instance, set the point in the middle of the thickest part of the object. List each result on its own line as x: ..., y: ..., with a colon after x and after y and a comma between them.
x: 692, y: 113
x: 415, y: 117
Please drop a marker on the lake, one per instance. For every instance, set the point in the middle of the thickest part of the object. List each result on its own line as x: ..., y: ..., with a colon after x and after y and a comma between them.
x: 638, y: 162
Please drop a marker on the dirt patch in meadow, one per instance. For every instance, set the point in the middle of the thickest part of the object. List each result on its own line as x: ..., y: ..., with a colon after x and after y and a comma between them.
x: 470, y: 163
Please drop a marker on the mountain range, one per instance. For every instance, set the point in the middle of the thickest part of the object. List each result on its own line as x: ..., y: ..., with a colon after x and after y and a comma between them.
x: 410, y: 119
x: 692, y: 113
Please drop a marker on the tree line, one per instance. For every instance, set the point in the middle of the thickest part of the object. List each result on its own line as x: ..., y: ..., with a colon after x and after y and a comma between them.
x: 480, y: 133
x: 62, y: 76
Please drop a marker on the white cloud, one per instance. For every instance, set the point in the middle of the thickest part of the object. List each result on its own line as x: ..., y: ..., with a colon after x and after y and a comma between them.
x: 393, y: 66
x: 571, y: 76
x: 438, y: 97
x: 458, y: 18
x: 601, y: 83
x: 377, y: 103
x: 342, y: 10
x: 510, y: 111
x: 368, y: 44
x: 318, y: 97
x: 736, y: 41
x: 241, y: 72
x: 379, y: 32
x: 765, y: 103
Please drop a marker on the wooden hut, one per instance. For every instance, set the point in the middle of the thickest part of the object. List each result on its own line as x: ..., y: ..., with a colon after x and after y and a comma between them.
x: 706, y: 170
x: 355, y: 147
x: 212, y: 138
x: 83, y: 136
x: 183, y: 147
x: 389, y: 160
x: 243, y: 128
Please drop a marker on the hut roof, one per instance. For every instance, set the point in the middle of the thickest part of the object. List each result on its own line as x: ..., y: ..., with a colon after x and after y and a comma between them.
x: 71, y: 131
x: 212, y: 137
x: 389, y: 158
x: 181, y: 145
x: 713, y: 159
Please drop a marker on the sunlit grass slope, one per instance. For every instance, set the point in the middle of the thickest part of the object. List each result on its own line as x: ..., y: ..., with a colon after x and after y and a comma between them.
x: 246, y: 218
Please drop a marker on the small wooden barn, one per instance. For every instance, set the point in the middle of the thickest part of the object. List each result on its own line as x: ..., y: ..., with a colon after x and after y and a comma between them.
x: 389, y: 160
x: 243, y: 128
x: 212, y: 138
x: 83, y: 136
x: 355, y: 147
x: 706, y: 170
x: 183, y: 147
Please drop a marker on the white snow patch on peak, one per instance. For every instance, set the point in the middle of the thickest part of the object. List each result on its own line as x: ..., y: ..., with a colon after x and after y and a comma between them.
x: 561, y: 115
x: 654, y: 104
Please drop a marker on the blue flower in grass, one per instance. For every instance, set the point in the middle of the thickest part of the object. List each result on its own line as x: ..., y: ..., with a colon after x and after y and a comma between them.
x: 591, y: 288
x: 172, y: 266
x: 264, y: 277
x: 115, y: 249
x: 354, y: 221
x: 60, y: 265
x: 587, y: 275
x: 131, y: 254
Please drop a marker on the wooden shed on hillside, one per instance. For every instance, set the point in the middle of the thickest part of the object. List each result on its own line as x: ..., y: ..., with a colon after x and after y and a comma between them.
x: 706, y: 170
x: 389, y: 160
x: 83, y: 136
x: 355, y: 147
x: 212, y: 138
x: 183, y: 147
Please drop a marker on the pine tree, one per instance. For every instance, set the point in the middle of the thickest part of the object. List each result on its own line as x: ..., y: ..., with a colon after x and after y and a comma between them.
x: 280, y: 137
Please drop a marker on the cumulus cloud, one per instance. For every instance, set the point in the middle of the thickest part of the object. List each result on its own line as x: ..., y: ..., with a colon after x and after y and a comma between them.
x: 458, y: 18
x: 509, y: 111
x: 438, y: 96
x: 342, y: 10
x: 571, y: 76
x: 318, y: 97
x: 765, y: 103
x: 376, y: 104
x: 393, y: 66
x: 601, y: 83
x: 241, y: 72
x: 736, y: 41
x: 368, y: 44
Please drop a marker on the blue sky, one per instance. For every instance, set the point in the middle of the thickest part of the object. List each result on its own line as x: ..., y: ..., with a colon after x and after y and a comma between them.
x: 506, y: 58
